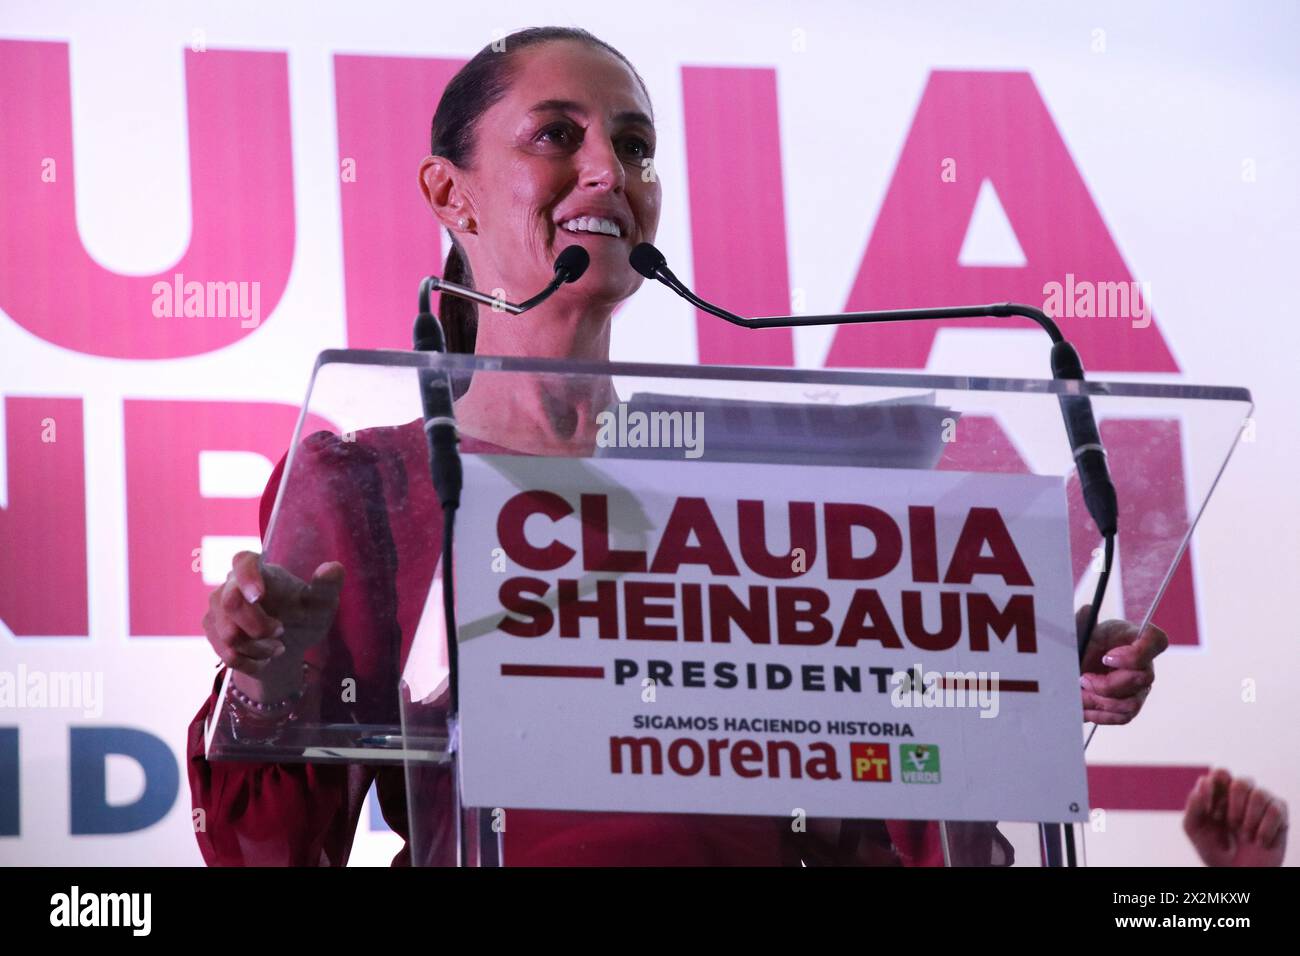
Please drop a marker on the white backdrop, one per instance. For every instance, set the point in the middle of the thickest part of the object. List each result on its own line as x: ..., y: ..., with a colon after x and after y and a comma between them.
x: 1180, y: 118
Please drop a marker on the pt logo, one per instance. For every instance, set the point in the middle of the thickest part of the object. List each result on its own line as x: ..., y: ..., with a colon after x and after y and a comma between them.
x: 870, y: 762
x: 920, y: 763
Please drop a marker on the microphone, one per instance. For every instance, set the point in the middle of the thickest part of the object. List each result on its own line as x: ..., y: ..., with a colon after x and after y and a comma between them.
x: 436, y: 400
x: 435, y: 387
x: 1085, y: 444
x: 444, y: 457
x: 1080, y: 426
x: 570, y: 264
x: 444, y: 468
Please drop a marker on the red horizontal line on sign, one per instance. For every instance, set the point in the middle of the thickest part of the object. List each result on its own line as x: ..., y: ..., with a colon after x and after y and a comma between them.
x: 1010, y: 686
x: 1142, y: 786
x: 549, y: 670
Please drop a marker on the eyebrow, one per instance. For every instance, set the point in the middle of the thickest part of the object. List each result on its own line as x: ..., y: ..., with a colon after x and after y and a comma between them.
x: 627, y: 116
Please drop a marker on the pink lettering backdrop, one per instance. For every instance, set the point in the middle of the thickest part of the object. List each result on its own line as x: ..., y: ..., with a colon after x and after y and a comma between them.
x: 301, y: 174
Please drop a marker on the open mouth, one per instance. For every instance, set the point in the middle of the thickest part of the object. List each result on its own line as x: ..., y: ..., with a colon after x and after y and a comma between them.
x: 592, y: 225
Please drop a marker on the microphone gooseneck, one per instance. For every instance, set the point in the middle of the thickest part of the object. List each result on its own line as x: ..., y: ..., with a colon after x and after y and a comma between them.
x: 650, y: 262
x: 570, y: 264
x: 1081, y: 431
x: 569, y: 267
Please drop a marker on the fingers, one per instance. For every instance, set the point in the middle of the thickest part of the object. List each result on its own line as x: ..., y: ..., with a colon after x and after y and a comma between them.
x: 1117, y: 669
x: 235, y: 648
x: 296, y: 600
x: 246, y: 569
x: 1106, y: 636
x: 1139, y: 654
x: 252, y: 619
x: 1098, y: 715
x: 1117, y: 643
x: 1220, y: 781
x: 248, y: 616
x: 1112, y: 633
x: 1264, y: 816
x: 1109, y: 718
x: 320, y: 600
x: 1119, y: 683
x: 1196, y: 813
x: 326, y: 585
x: 1110, y: 709
x: 1256, y: 805
x: 253, y: 667
x: 1238, y: 796
x: 1234, y: 813
x: 228, y: 643
x: 1273, y: 825
x: 242, y: 634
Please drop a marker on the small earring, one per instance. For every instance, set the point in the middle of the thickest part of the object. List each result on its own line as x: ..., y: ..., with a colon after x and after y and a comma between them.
x: 460, y: 223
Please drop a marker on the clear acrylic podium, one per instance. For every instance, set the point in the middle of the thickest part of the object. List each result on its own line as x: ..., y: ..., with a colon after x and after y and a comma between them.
x: 356, y: 488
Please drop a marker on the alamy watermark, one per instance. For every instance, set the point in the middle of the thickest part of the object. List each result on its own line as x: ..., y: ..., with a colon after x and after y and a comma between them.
x: 132, y: 911
x: 1084, y: 299
x: 208, y: 300
x: 638, y: 429
x: 53, y: 690
x: 918, y: 687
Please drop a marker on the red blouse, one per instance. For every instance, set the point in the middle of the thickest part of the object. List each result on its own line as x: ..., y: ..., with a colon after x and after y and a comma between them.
x: 359, y: 503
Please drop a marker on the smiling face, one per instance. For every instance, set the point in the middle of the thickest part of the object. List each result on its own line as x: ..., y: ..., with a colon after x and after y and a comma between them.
x: 569, y: 141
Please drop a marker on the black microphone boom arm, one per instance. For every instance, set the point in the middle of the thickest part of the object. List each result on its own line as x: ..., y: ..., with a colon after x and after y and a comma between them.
x: 1080, y: 426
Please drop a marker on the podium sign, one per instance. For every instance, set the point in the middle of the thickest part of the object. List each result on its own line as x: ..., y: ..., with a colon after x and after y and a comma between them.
x: 758, y: 638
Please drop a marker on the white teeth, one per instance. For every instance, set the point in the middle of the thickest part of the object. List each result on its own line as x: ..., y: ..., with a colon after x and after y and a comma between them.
x: 592, y: 224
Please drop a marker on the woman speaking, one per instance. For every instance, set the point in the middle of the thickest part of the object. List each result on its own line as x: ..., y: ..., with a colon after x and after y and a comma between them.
x: 541, y: 141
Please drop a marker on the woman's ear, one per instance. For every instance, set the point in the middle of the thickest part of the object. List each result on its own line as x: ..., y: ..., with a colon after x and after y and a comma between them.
x: 444, y: 187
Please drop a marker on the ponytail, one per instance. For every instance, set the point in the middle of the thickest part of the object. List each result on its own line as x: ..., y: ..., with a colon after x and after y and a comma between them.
x: 459, y: 317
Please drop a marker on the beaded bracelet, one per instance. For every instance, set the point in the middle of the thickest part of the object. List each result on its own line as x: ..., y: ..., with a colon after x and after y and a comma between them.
x: 262, y: 709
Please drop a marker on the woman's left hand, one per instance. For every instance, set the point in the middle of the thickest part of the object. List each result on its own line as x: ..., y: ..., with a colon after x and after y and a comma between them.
x: 1118, y: 669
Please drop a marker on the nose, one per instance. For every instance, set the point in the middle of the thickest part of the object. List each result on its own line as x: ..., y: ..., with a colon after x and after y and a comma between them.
x: 601, y: 168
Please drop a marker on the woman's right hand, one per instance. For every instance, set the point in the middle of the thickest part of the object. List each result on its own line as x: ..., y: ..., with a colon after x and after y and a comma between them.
x: 263, y: 620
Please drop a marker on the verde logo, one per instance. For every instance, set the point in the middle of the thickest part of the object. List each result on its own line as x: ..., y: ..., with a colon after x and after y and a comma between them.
x: 920, y: 763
